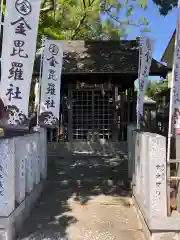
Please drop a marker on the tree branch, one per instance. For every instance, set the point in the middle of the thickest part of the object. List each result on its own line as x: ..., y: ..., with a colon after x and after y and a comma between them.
x: 78, y: 27
x: 84, y: 4
x: 122, y: 22
x: 47, y: 7
x: 81, y: 21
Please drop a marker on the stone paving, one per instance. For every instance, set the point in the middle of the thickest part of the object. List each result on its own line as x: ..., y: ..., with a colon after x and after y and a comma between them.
x: 84, y: 208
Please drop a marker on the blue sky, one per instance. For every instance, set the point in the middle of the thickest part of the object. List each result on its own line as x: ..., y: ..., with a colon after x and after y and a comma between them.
x: 161, y: 27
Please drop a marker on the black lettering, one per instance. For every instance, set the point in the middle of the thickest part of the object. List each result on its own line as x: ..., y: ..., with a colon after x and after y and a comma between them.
x: 50, y: 103
x: 148, y: 44
x: 141, y: 86
x: 178, y: 53
x: 21, y: 26
x: 148, y: 57
x: 52, y: 61
x: 52, y: 75
x: 23, y: 7
x: 13, y: 94
x: 51, y: 89
x: 18, y: 49
x: 53, y: 49
x: 16, y: 71
x: 145, y: 72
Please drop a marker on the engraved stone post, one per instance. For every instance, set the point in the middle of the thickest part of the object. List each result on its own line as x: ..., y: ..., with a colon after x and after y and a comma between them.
x: 43, y: 153
x: 144, y: 191
x: 7, y: 176
x: 29, y: 165
x: 137, y: 164
x: 35, y: 151
x: 135, y: 151
x: 131, y: 143
x: 20, y: 159
x: 157, y: 203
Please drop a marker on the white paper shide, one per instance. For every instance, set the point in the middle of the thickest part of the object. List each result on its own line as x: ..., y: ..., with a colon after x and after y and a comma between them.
x: 18, y: 52
x: 145, y: 58
x: 51, y: 83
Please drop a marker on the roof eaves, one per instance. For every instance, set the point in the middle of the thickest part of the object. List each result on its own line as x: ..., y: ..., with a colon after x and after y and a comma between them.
x: 172, y: 37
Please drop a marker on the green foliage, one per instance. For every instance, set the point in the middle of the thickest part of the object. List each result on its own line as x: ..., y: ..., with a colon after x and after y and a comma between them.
x: 154, y: 87
x: 88, y: 19
x: 165, y: 6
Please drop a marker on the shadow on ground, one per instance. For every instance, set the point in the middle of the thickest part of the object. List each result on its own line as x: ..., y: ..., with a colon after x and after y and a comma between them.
x: 79, y: 178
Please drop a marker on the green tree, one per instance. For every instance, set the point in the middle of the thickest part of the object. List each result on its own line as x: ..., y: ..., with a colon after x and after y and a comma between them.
x: 165, y: 6
x: 89, y: 19
x: 154, y: 87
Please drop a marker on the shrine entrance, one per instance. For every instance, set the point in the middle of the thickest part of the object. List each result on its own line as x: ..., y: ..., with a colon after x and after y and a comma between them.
x: 92, y: 114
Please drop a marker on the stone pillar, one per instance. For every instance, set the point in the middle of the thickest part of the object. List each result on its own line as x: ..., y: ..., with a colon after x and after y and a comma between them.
x: 43, y: 153
x: 136, y: 177
x: 131, y: 152
x: 157, y: 200
x: 29, y: 165
x: 144, y: 190
x: 20, y: 168
x: 135, y: 150
x: 7, y: 176
x: 35, y: 155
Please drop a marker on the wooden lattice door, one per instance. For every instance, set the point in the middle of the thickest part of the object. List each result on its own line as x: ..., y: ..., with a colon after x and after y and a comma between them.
x: 91, y: 112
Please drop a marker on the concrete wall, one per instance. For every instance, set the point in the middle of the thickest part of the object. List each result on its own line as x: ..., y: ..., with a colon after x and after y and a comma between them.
x: 23, y: 170
x: 147, y: 163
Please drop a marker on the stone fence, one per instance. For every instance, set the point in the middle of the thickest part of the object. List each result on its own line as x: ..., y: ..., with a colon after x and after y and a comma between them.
x: 23, y: 169
x: 147, y: 171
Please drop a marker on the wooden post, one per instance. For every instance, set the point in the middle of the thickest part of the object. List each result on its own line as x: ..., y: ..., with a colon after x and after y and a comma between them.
x: 128, y: 105
x: 134, y: 100
x: 122, y: 116
x: 115, y: 130
x: 70, y: 135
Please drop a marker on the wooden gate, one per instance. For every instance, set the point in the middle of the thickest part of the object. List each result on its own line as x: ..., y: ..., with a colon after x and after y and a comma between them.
x: 91, y: 113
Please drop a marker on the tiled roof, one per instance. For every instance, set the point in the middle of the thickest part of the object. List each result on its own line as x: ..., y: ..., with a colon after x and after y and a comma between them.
x: 103, y: 57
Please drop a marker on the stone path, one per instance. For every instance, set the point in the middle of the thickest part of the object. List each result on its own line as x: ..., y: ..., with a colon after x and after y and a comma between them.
x: 88, y: 208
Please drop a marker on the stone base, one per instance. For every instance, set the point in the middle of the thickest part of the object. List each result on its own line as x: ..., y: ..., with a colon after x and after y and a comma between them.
x: 12, y: 224
x: 107, y: 148
x: 150, y: 234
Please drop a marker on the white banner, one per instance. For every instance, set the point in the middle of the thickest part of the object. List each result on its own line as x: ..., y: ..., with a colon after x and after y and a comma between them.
x: 51, y: 84
x: 18, y: 52
x: 174, y: 111
x: 145, y: 58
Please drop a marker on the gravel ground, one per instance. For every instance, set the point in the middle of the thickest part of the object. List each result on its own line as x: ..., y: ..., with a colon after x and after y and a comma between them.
x: 85, y: 199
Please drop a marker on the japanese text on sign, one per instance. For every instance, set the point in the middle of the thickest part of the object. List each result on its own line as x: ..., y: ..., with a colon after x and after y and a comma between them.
x: 51, y: 83
x: 20, y: 27
x: 52, y: 76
